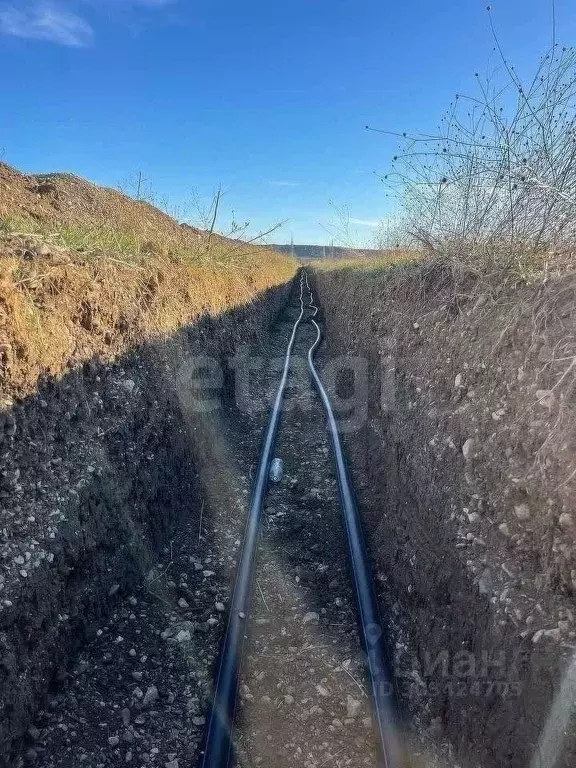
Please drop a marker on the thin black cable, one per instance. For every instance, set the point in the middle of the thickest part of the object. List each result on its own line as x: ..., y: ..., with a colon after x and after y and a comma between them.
x: 218, y: 740
x: 377, y: 657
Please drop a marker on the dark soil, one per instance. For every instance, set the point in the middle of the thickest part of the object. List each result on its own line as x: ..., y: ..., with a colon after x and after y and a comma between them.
x: 139, y: 691
x: 463, y: 467
x: 101, y: 471
x: 109, y: 641
x: 303, y: 691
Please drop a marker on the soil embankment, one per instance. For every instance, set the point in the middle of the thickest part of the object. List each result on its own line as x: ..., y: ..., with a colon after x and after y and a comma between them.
x: 98, y: 468
x: 124, y: 483
x: 464, y: 465
x: 140, y: 692
x: 109, y: 311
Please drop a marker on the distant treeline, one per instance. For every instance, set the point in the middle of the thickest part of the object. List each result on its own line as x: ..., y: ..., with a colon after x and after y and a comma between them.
x: 323, y: 251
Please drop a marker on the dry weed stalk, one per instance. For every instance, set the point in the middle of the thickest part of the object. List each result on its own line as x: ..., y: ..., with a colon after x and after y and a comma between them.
x: 495, y: 187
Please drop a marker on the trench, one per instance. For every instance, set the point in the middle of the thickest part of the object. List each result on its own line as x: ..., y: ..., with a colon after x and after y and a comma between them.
x: 109, y: 645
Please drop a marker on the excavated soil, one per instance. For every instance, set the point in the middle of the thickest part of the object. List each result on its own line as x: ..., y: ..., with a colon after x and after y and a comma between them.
x: 302, y: 691
x: 102, y: 469
x: 124, y: 503
x: 463, y: 459
x: 138, y: 691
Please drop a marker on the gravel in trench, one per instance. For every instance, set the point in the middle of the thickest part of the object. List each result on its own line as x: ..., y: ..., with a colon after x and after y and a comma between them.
x: 303, y: 696
x: 139, y: 693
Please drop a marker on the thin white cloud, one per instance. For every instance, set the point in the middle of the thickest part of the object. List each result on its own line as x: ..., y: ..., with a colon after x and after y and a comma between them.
x: 49, y: 20
x: 365, y: 222
x: 284, y: 183
x: 45, y: 21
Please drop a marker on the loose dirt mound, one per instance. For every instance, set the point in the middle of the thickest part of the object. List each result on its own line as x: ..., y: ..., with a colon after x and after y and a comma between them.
x: 87, y: 271
x: 58, y: 199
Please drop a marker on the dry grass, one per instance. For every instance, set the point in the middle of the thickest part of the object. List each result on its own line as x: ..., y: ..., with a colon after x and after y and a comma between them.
x: 74, y: 213
x: 382, y: 262
x: 86, y: 271
x: 494, y: 186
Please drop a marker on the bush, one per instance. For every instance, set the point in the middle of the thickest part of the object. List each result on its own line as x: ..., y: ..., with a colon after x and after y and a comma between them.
x: 495, y: 188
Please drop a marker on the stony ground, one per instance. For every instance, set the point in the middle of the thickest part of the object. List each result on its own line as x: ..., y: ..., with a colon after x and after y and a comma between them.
x: 463, y: 470
x: 303, y: 694
x: 139, y: 692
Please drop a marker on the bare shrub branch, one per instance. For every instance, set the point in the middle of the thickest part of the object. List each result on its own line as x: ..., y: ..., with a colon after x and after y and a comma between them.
x: 495, y: 187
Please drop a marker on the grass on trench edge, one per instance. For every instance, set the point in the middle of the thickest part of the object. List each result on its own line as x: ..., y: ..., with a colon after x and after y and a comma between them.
x: 101, y: 242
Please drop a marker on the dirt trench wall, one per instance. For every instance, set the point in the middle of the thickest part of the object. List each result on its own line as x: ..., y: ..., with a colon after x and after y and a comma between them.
x: 464, y: 473
x: 97, y: 468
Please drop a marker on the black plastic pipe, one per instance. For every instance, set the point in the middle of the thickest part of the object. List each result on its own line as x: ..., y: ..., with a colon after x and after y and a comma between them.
x: 218, y: 740
x: 377, y: 657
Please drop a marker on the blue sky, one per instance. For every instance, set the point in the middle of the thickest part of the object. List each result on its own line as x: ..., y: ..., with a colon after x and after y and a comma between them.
x: 267, y: 98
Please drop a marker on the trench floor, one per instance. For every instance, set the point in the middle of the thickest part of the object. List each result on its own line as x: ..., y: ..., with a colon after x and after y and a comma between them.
x: 139, y: 693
